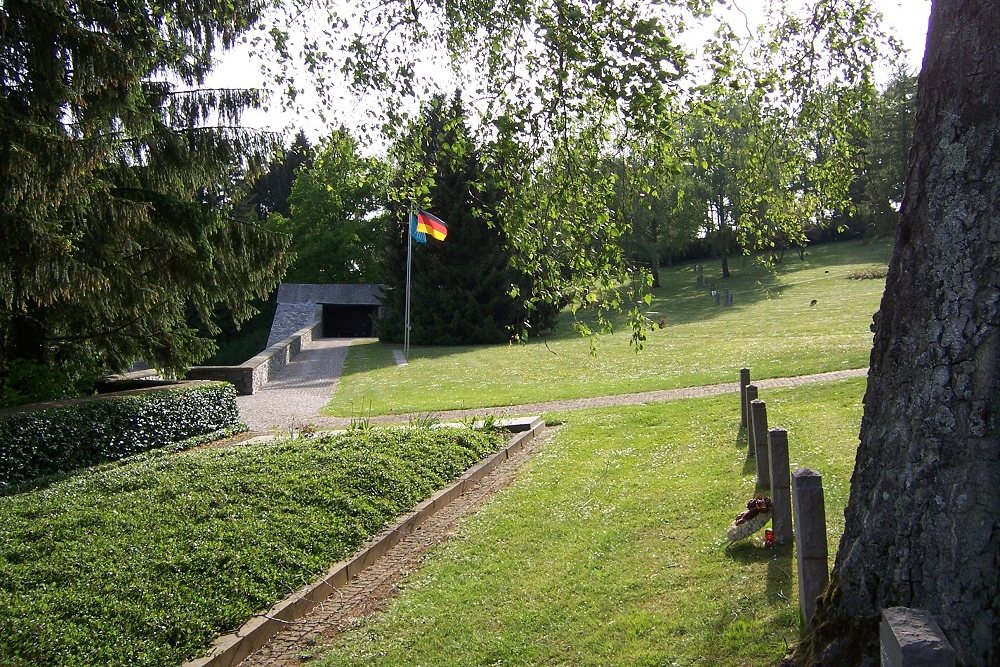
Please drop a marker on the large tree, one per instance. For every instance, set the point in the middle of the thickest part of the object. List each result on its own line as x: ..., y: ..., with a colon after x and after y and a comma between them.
x: 116, y: 174
x: 271, y: 191
x: 923, y: 521
x: 461, y: 289
x: 335, y: 215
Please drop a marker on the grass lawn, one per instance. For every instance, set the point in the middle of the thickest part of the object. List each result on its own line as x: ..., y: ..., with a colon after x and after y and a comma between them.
x: 609, y: 548
x: 772, y: 329
x: 145, y: 562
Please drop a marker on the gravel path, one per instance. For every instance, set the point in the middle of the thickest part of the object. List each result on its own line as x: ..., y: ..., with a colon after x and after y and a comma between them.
x: 297, y: 392
x: 294, y: 397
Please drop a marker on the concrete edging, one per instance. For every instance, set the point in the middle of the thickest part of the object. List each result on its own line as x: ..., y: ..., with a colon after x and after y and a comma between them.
x: 228, y: 650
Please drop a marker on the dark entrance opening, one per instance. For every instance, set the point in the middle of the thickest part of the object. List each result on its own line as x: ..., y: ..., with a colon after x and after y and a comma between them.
x: 343, y: 321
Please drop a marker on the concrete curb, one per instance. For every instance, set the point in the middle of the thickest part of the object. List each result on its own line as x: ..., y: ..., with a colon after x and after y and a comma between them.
x: 228, y: 650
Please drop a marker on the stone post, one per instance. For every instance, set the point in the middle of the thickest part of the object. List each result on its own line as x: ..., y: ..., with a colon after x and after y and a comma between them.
x: 725, y: 297
x: 758, y: 415
x: 700, y: 280
x: 810, y: 539
x: 744, y: 381
x: 715, y: 295
x: 781, y: 494
x: 912, y: 638
x: 749, y: 395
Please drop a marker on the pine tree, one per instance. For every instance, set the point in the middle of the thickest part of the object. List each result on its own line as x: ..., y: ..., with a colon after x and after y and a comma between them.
x: 116, y: 173
x: 460, y: 288
x: 271, y: 191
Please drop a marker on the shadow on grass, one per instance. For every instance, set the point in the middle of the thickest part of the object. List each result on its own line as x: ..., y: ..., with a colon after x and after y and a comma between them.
x: 779, y: 564
x: 681, y: 301
x: 779, y: 574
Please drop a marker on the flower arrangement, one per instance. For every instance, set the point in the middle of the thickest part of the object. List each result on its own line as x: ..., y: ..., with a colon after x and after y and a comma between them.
x: 756, y: 516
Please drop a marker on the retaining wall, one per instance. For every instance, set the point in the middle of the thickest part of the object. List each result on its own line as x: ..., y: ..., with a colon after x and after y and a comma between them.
x: 253, y: 373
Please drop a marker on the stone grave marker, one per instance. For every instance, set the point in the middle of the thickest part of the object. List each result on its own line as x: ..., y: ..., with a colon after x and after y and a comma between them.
x: 750, y: 395
x: 744, y: 381
x: 781, y: 494
x: 810, y: 539
x: 758, y: 417
x: 912, y: 638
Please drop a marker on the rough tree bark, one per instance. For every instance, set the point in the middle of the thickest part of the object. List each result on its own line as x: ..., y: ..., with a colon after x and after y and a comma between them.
x: 922, y: 519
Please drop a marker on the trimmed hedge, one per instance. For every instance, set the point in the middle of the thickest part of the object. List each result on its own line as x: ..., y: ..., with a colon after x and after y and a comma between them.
x: 66, y: 437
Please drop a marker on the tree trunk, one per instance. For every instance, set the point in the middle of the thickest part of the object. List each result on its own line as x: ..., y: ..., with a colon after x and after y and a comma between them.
x: 725, y: 266
x: 654, y: 265
x: 922, y: 521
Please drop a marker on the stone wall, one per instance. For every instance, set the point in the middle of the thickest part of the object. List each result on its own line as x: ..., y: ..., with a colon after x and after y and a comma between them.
x: 253, y: 373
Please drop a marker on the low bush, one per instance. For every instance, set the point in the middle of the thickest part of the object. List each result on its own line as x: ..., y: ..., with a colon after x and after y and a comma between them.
x: 85, y: 433
x: 142, y: 563
x: 870, y: 273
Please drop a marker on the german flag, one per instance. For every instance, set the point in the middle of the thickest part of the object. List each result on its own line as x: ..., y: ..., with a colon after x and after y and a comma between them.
x: 431, y: 224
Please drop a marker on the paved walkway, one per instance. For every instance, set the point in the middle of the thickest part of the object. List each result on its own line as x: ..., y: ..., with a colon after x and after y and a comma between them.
x: 299, y: 391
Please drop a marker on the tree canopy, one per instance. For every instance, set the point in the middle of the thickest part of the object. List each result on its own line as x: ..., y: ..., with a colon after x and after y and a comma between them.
x: 557, y: 89
x: 463, y: 290
x: 117, y: 170
x: 334, y: 217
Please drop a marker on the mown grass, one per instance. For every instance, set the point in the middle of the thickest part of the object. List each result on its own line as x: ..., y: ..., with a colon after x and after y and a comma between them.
x: 772, y: 329
x: 609, y: 549
x: 144, y: 563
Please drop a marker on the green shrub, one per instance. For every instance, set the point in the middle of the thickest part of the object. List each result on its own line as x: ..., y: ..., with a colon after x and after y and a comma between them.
x: 23, y: 381
x: 65, y: 437
x: 871, y: 273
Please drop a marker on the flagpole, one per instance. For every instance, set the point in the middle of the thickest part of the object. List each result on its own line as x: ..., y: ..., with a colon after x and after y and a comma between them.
x: 409, y: 257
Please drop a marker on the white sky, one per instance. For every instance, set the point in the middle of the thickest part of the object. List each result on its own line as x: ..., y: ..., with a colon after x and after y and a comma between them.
x: 906, y: 20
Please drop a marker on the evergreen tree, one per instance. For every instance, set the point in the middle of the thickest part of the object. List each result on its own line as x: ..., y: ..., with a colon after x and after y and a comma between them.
x: 271, y: 191
x: 460, y: 288
x: 116, y: 171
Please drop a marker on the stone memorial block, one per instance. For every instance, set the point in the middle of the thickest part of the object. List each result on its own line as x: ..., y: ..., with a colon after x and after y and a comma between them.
x: 749, y: 395
x: 758, y: 418
x: 744, y: 381
x: 912, y: 638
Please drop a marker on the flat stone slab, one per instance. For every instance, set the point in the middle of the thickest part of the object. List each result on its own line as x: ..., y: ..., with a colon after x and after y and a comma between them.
x: 912, y: 638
